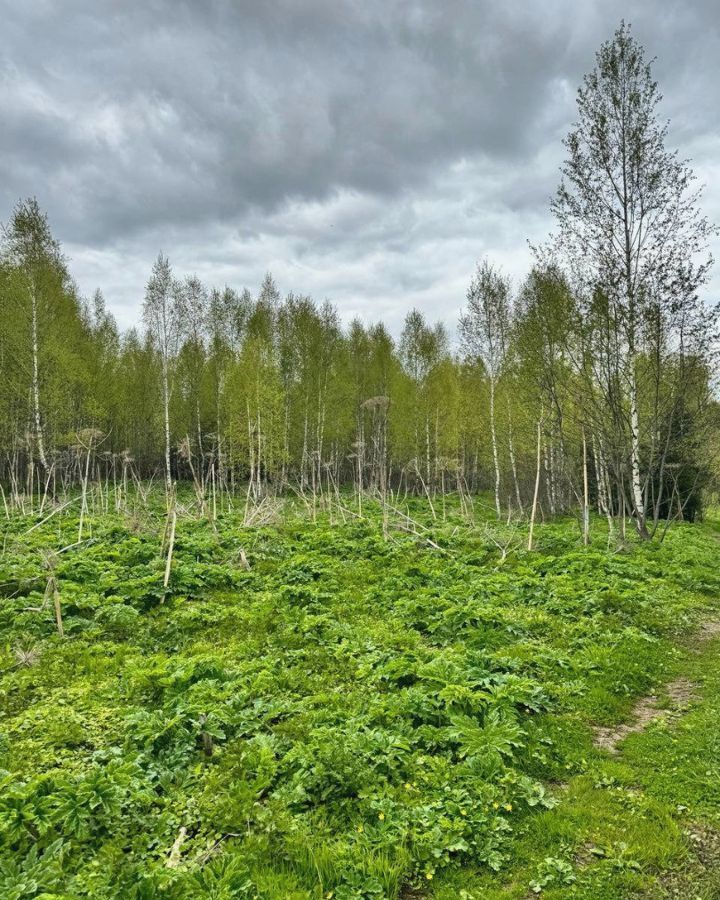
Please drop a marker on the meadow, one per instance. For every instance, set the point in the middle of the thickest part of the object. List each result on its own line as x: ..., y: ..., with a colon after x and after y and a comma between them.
x: 332, y: 705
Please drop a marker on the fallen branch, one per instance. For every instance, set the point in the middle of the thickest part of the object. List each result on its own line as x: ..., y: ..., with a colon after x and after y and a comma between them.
x: 171, y: 545
x: 173, y: 860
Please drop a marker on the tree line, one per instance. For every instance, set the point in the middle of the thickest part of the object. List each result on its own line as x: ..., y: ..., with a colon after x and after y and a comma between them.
x: 590, y: 385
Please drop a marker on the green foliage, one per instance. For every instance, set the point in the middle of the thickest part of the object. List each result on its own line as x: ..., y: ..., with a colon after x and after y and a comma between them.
x: 350, y: 715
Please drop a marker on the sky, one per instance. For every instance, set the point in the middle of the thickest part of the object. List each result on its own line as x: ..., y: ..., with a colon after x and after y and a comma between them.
x: 368, y: 152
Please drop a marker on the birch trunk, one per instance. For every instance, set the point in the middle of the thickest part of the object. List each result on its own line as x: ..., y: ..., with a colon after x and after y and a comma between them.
x: 218, y: 425
x: 637, y: 493
x: 513, y: 464
x: 166, y: 416
x: 427, y: 450
x: 537, y: 486
x: 493, y: 436
x: 586, y: 498
x: 36, y: 380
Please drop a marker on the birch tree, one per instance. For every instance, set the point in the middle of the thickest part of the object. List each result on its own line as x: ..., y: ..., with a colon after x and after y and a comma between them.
x: 546, y: 340
x: 227, y: 314
x: 193, y: 313
x: 629, y: 224
x: 162, y: 319
x: 38, y: 271
x: 483, y: 331
x: 421, y: 348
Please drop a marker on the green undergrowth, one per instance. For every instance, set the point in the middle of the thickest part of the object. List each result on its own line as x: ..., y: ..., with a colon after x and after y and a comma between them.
x: 642, y: 824
x: 355, y: 716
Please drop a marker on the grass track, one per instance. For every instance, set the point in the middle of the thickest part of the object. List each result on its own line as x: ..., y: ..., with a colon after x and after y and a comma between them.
x: 644, y: 823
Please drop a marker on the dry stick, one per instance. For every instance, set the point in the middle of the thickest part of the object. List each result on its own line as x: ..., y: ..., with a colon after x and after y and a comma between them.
x: 537, y: 486
x: 409, y: 530
x: 586, y: 502
x: 166, y: 529
x: 7, y: 511
x: 71, y: 546
x: 50, y: 515
x: 199, y: 485
x: 47, y: 485
x: 331, y: 479
x: 407, y: 518
x: 350, y: 512
x: 83, y: 504
x: 227, y: 493
x: 51, y: 590
x: 412, y: 528
x: 201, y: 860
x: 173, y: 860
x: 143, y: 493
x: 469, y: 504
x: 58, y: 611
x: 214, y: 499
x: 92, y: 435
x: 427, y: 493
x: 168, y: 564
x: 247, y: 503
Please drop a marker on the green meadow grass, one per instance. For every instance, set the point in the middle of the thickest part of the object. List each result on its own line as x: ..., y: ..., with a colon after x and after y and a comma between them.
x: 355, y: 716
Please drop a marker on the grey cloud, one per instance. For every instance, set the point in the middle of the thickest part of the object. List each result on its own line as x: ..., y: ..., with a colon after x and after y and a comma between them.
x: 338, y: 140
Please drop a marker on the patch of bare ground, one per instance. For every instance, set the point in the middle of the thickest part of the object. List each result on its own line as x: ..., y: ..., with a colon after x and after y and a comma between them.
x: 701, y: 878
x: 586, y: 854
x: 411, y: 892
x: 705, y: 843
x: 680, y: 692
x: 706, y: 632
x: 709, y: 630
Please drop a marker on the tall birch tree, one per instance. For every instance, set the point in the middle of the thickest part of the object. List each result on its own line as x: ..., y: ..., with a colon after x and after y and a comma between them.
x: 39, y: 275
x: 628, y: 217
x: 483, y: 330
x: 163, y: 321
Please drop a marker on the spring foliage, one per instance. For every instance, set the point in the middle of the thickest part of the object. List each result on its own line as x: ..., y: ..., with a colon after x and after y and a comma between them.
x: 340, y: 708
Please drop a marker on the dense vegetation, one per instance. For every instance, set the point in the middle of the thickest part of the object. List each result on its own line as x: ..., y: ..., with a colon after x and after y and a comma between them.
x: 296, y: 610
x: 589, y: 385
x: 317, y: 709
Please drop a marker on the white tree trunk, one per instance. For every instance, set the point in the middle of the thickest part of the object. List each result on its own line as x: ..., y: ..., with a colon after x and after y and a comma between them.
x: 537, y: 486
x: 220, y: 455
x: 586, y: 497
x: 36, y: 381
x: 427, y: 450
x: 493, y: 436
x: 604, y: 502
x: 511, y: 448
x: 635, y: 456
x: 166, y: 416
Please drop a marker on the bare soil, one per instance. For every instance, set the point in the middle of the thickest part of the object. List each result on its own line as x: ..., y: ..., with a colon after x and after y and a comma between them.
x: 681, y: 692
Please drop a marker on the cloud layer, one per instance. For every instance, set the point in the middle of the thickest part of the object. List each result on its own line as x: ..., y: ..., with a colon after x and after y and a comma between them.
x: 364, y: 151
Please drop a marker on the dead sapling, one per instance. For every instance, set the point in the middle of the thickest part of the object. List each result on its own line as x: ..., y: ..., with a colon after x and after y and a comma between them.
x: 169, y: 536
x: 206, y: 739
x: 88, y: 439
x: 51, y: 588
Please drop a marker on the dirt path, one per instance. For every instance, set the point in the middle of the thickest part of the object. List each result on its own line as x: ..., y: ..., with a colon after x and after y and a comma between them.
x: 681, y: 692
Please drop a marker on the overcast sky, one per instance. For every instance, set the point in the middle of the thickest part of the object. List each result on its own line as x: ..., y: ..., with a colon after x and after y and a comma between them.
x: 365, y: 151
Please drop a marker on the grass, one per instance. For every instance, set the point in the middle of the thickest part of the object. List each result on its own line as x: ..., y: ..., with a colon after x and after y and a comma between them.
x: 355, y: 715
x: 643, y: 824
